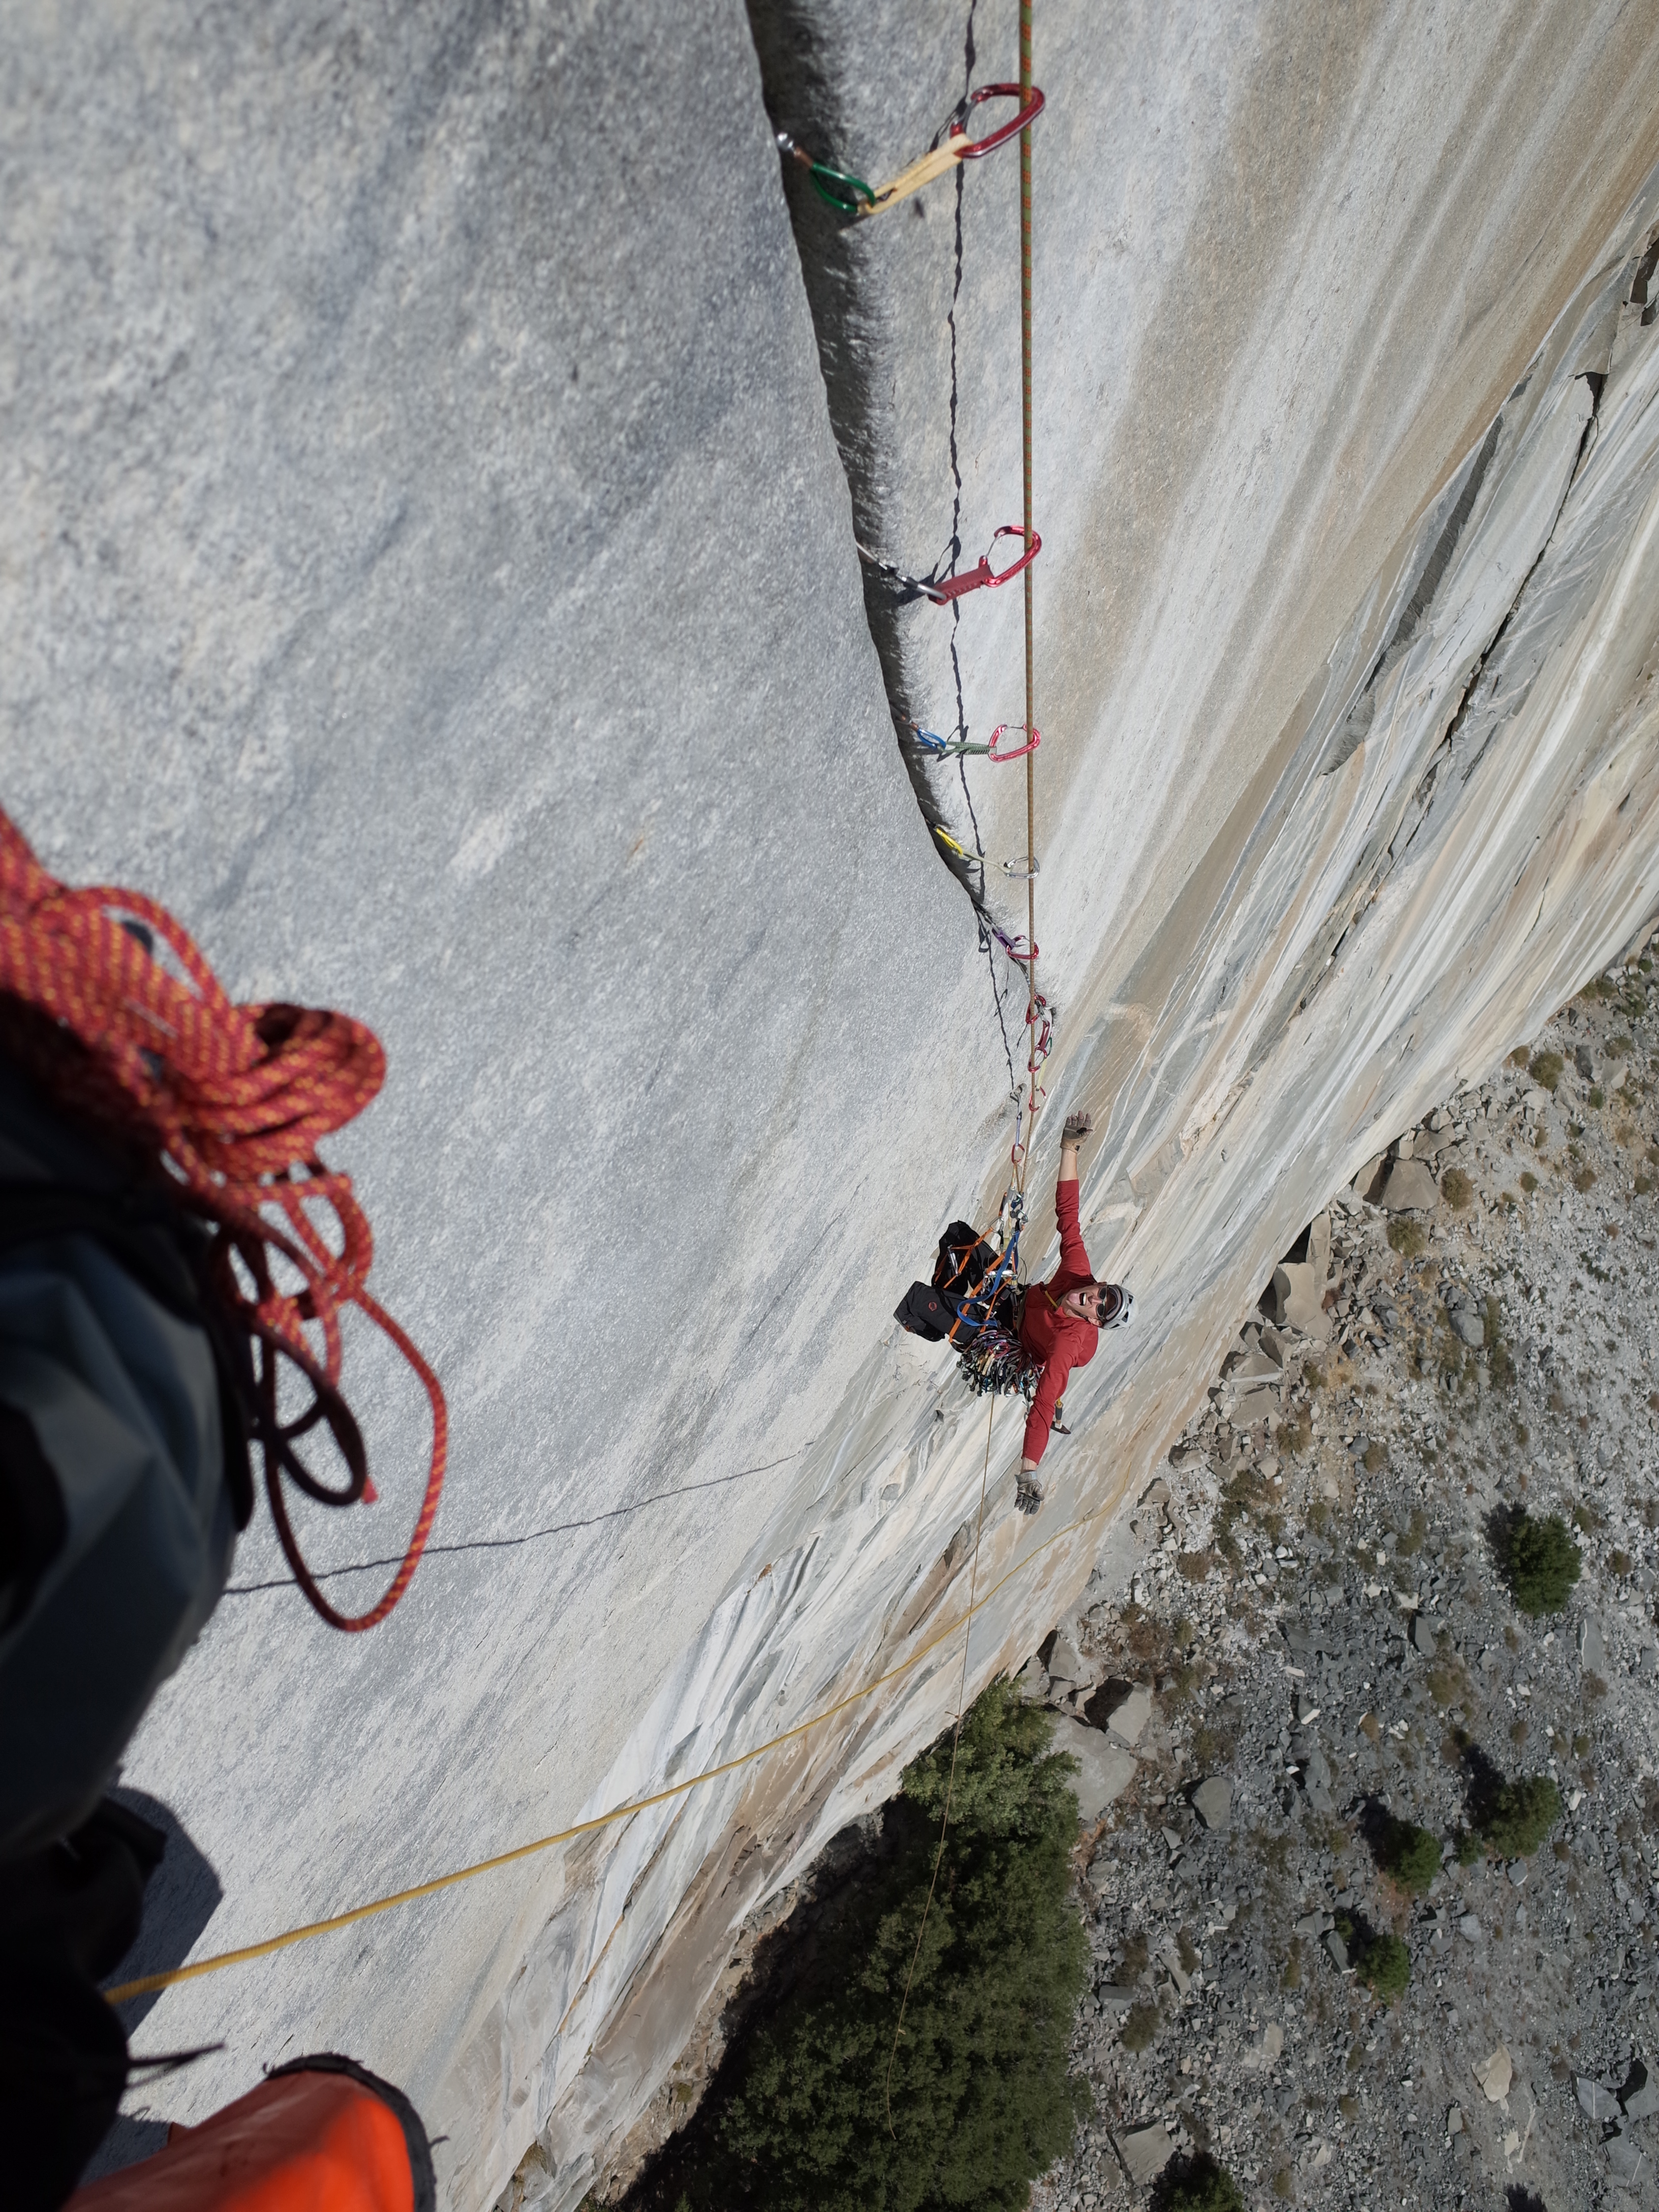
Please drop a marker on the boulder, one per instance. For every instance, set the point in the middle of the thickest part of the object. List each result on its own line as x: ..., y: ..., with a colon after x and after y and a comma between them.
x: 1254, y: 1406
x: 1408, y: 1188
x: 1145, y: 2152
x: 1294, y: 1300
x: 1495, y: 2072
x: 1423, y: 1635
x: 1628, y: 2162
x: 1212, y: 1801
x: 1338, y: 1950
x: 1367, y: 1183
x: 1061, y: 1655
x: 1453, y: 2119
x: 1592, y: 1652
x: 1597, y: 2100
x: 1640, y: 2094
x: 1469, y: 1326
x: 1319, y: 1246
x: 1105, y: 1770
x: 1131, y: 1714
x: 1157, y: 1492
x: 1169, y: 1952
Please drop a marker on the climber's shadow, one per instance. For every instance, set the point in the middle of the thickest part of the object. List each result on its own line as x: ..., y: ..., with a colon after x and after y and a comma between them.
x: 180, y: 1898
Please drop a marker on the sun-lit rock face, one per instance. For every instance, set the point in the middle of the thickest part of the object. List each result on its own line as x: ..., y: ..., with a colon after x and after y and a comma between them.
x: 427, y: 563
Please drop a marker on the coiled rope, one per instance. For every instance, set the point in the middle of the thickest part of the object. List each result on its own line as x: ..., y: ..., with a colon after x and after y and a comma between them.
x: 224, y: 1106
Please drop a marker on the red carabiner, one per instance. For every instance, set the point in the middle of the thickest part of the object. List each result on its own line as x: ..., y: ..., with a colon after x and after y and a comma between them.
x: 1035, y: 738
x: 1028, y: 114
x: 979, y: 577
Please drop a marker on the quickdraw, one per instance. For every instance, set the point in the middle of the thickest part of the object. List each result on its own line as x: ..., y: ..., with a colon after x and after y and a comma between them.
x: 1022, y: 955
x: 850, y: 196
x: 1033, y: 739
x: 952, y: 844
x: 1040, y: 1019
x: 958, y: 748
x: 981, y: 577
x: 984, y: 577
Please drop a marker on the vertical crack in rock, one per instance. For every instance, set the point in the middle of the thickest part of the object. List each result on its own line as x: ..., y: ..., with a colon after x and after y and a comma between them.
x: 851, y: 337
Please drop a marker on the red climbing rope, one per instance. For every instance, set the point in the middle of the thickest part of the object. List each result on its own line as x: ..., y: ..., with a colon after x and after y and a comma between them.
x: 233, y: 1099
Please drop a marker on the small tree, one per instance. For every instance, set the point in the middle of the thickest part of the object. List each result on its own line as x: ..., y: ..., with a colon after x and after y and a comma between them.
x: 981, y: 2099
x: 1542, y: 1562
x: 1410, y: 1854
x: 1384, y: 1964
x: 1195, y: 2183
x: 1522, y: 1813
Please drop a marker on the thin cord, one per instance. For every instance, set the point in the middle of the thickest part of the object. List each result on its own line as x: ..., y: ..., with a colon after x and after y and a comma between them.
x: 625, y: 1811
x: 949, y: 1784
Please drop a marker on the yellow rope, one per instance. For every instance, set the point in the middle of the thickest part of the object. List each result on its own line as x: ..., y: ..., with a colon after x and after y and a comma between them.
x: 146, y: 1983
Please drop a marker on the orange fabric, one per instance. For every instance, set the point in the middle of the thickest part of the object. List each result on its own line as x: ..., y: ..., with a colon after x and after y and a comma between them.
x: 304, y: 2142
x: 233, y: 1098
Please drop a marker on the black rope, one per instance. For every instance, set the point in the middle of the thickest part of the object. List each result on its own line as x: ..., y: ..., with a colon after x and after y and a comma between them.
x: 530, y: 1536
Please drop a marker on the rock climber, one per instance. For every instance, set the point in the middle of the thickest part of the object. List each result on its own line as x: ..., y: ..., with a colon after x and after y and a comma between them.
x: 1059, y: 1325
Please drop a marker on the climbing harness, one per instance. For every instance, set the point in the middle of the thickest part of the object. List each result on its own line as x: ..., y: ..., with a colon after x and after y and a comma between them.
x: 942, y: 590
x: 228, y: 1103
x: 850, y: 196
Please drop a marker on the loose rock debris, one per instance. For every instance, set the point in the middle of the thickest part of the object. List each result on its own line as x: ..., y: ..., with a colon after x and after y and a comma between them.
x: 1319, y: 1638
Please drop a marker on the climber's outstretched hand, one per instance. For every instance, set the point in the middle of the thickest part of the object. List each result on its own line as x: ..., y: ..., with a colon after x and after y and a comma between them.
x: 1028, y: 1492
x: 1077, y: 1127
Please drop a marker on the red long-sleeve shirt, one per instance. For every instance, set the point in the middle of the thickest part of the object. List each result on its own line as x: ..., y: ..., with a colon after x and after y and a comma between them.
x: 1060, y: 1340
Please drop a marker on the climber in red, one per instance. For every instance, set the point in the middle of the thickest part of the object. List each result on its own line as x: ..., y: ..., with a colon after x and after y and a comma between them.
x: 1063, y: 1318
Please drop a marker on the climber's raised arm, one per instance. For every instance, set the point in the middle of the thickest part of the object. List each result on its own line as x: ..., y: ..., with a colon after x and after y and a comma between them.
x: 1063, y: 1318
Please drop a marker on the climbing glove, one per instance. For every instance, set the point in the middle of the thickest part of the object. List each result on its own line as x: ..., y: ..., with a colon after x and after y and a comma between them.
x: 1028, y: 1493
x: 1078, y: 1127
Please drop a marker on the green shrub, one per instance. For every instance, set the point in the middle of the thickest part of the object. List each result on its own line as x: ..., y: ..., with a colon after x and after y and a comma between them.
x: 1521, y: 1816
x: 1139, y: 2027
x: 1410, y: 1854
x: 982, y: 2100
x: 1456, y: 1188
x: 1408, y: 1238
x: 1545, y: 1069
x: 1529, y: 1182
x: 1384, y: 1965
x: 1195, y: 2183
x: 1542, y: 1562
